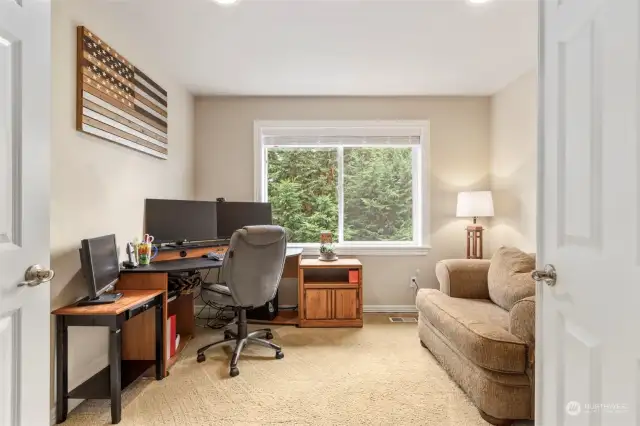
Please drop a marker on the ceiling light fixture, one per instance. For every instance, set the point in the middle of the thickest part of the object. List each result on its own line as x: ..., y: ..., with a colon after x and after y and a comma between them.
x: 479, y: 1
x: 226, y: 2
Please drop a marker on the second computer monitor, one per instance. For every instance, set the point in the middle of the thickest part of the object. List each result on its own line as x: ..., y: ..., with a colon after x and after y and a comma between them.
x: 234, y: 215
x: 175, y: 221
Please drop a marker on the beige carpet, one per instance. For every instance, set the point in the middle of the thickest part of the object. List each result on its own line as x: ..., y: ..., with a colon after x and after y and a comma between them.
x: 377, y: 375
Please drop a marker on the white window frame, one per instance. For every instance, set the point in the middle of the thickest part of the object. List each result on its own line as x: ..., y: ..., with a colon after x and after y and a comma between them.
x: 421, y: 171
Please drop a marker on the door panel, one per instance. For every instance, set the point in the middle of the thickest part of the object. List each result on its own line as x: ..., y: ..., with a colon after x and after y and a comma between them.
x: 579, y: 130
x: 8, y: 368
x: 587, y: 357
x: 345, y: 304
x: 25, y: 132
x: 10, y: 129
x: 317, y: 304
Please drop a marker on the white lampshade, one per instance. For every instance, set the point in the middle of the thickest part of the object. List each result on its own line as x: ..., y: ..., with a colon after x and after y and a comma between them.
x: 475, y: 204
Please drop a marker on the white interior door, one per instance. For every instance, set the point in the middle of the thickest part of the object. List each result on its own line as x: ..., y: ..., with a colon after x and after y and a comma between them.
x: 24, y: 210
x: 588, y: 356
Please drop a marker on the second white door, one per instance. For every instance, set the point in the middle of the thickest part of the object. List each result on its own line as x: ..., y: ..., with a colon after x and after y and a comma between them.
x: 24, y: 211
x: 588, y: 357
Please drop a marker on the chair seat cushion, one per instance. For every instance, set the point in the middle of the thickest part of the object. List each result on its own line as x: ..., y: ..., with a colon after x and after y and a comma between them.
x: 477, y: 328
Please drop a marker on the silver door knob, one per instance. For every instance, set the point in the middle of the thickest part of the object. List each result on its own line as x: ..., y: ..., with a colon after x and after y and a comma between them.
x: 548, y: 275
x: 37, y: 275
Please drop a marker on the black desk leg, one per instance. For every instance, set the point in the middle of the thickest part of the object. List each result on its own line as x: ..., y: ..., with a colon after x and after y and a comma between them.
x: 62, y: 373
x: 115, y: 356
x: 160, y: 332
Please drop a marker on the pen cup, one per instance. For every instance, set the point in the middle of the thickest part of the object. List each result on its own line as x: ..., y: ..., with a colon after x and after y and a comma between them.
x: 145, y: 253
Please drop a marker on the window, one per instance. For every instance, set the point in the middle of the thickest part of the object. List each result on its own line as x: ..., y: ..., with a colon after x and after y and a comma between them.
x: 361, y: 181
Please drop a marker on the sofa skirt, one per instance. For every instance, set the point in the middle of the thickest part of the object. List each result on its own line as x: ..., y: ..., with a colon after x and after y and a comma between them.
x: 500, y: 395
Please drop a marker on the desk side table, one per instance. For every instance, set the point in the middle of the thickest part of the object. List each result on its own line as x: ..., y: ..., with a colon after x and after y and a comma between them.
x: 109, y: 382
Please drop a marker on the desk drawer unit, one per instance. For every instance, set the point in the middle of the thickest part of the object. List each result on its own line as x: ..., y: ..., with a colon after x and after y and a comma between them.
x: 330, y: 293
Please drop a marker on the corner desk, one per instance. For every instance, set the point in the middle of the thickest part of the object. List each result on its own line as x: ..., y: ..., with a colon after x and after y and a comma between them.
x: 136, y: 332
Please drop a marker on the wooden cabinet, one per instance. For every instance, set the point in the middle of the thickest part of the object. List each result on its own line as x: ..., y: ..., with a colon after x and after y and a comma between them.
x: 330, y: 293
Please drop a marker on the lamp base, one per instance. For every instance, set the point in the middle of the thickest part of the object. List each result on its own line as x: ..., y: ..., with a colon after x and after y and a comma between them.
x: 474, y: 241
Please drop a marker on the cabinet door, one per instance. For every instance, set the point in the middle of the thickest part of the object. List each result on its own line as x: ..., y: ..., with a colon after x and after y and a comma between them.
x: 346, y: 304
x: 317, y: 304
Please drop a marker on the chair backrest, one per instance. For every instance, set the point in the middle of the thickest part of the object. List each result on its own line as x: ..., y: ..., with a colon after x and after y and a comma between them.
x: 253, y: 265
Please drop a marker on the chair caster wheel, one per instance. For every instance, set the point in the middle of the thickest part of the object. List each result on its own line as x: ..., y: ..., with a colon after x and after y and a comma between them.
x: 279, y: 355
x: 227, y: 335
x: 200, y: 358
x: 233, y: 371
x: 269, y: 336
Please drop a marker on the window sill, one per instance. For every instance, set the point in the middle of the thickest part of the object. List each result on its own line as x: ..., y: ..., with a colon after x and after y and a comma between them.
x: 371, y: 250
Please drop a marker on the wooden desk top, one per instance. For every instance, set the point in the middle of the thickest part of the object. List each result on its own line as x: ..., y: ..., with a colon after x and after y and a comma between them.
x: 340, y: 263
x: 130, y: 299
x: 188, y: 264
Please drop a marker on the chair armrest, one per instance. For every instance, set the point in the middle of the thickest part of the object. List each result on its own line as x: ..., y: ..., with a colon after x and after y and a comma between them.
x: 464, y: 278
x: 522, y: 320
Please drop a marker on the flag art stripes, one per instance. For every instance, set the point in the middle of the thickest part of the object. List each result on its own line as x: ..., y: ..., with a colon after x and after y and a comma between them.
x: 118, y: 102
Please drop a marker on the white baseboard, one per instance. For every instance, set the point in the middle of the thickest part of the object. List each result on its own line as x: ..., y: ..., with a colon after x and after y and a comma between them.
x: 96, y: 365
x: 390, y: 308
x: 73, y: 404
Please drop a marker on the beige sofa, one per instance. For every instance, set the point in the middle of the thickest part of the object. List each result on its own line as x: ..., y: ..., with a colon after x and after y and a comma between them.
x: 480, y: 326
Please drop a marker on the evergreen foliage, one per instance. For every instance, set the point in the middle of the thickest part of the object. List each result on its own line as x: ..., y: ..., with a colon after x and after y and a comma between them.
x: 378, y: 202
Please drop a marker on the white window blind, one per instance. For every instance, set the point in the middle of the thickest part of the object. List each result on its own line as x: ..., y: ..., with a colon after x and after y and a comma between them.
x: 284, y: 141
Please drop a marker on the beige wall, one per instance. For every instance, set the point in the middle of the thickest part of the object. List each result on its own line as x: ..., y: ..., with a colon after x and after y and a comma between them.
x: 98, y: 187
x: 513, y: 164
x: 459, y: 160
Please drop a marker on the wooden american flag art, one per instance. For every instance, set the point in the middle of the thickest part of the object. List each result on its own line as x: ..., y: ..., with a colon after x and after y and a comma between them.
x: 116, y: 101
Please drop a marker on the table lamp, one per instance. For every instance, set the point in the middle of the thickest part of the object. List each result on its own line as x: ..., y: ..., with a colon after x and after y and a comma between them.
x: 474, y: 204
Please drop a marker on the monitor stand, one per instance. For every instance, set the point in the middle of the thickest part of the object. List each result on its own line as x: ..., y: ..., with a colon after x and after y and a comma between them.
x: 103, y: 299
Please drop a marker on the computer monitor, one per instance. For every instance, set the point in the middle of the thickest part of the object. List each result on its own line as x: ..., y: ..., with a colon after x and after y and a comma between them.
x: 234, y: 215
x: 178, y: 221
x: 100, y: 266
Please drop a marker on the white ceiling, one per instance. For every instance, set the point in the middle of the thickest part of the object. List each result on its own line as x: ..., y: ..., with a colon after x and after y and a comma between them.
x: 339, y: 47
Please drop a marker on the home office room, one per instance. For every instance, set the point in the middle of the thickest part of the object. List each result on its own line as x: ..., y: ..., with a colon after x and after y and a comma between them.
x: 252, y: 203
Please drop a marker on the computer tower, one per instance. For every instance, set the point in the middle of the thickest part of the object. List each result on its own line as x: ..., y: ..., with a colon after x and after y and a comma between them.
x: 267, y: 312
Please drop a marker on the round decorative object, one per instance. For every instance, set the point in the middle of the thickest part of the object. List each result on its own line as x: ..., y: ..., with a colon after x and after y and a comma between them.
x: 328, y: 257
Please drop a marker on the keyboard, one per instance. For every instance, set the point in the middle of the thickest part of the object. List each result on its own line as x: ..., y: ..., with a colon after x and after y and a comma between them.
x: 214, y: 256
x: 190, y: 245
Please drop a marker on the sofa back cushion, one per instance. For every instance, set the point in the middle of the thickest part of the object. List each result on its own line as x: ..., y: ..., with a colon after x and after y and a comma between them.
x: 509, y: 277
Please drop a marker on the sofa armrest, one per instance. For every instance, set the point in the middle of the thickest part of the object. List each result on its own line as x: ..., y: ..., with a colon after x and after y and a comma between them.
x: 522, y: 320
x: 464, y: 278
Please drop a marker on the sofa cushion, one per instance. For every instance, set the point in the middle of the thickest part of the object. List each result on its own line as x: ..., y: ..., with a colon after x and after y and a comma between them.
x: 500, y: 395
x: 477, y: 328
x: 509, y: 276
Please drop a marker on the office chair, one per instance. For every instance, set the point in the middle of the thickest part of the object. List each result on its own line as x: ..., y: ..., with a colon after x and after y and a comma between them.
x: 251, y: 271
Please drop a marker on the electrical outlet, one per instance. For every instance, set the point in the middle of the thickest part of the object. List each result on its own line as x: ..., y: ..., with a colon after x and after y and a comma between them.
x: 414, y: 283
